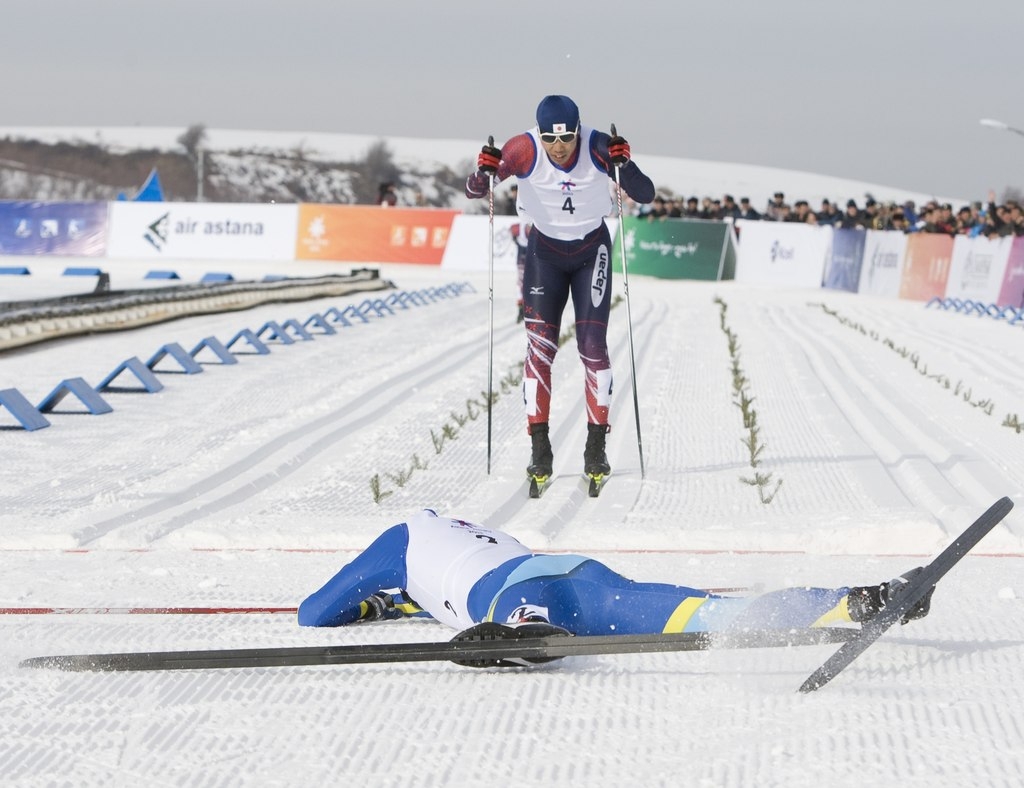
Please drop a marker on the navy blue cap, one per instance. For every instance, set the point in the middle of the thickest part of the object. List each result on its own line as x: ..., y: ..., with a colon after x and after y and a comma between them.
x: 557, y: 115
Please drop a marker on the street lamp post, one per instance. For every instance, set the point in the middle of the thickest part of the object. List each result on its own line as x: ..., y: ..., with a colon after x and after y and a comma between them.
x: 998, y: 124
x: 199, y: 174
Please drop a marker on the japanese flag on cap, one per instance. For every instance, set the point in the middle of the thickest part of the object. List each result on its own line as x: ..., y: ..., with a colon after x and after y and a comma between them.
x: 557, y: 115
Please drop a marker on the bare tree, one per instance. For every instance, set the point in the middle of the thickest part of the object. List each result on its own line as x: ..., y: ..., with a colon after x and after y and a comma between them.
x: 192, y: 139
x: 1013, y: 194
x: 377, y: 168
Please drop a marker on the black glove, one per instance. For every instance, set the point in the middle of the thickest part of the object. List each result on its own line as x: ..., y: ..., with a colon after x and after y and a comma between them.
x: 489, y: 159
x: 618, y: 151
x: 379, y: 607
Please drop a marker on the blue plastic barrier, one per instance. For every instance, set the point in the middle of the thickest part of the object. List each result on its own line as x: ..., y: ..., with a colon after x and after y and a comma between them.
x: 318, y: 321
x: 297, y: 329
x: 24, y: 411
x: 85, y: 393
x: 351, y: 310
x: 337, y: 316
x: 1012, y: 315
x: 274, y: 330
x: 149, y: 381
x: 188, y: 364
x: 247, y: 334
x: 31, y: 417
x: 218, y: 348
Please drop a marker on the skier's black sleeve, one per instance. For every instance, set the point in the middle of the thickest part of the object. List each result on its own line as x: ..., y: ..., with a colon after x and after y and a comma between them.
x: 638, y: 186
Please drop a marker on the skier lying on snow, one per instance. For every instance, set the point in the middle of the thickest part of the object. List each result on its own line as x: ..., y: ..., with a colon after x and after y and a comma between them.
x: 463, y: 574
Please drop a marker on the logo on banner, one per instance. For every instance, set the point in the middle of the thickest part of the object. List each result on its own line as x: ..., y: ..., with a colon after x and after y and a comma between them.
x: 316, y: 235
x: 976, y: 269
x: 157, y: 233
x: 880, y: 258
x: 399, y: 235
x: 666, y: 249
x: 24, y: 229
x: 418, y: 236
x: 938, y: 269
x: 780, y: 252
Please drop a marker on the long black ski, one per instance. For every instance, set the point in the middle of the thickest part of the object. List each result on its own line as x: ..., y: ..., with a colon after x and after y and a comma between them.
x: 474, y: 652
x: 910, y: 595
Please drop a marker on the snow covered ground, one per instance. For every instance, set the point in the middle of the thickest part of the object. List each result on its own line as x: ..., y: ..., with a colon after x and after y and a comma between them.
x: 247, y: 486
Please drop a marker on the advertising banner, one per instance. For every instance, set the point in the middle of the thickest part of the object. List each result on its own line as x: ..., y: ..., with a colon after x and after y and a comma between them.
x: 208, y: 231
x: 977, y: 268
x: 1011, y: 292
x: 672, y: 248
x: 781, y: 253
x: 842, y: 271
x: 76, y: 229
x: 373, y: 234
x: 882, y: 266
x: 926, y: 268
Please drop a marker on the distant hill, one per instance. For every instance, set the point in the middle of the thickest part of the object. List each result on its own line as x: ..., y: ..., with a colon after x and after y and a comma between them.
x: 274, y: 166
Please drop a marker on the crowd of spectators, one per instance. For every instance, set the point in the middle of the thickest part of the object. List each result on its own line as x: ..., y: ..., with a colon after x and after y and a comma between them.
x: 991, y: 220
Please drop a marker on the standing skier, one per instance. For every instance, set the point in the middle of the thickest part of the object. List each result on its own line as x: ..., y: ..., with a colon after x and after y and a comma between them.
x: 463, y: 574
x: 564, y: 170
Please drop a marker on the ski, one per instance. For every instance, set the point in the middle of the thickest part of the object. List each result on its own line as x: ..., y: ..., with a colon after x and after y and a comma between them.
x: 597, y: 481
x: 538, y: 484
x: 909, y: 596
x: 472, y: 650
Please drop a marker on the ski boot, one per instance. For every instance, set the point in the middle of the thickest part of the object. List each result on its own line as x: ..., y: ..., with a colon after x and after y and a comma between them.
x: 595, y: 461
x: 491, y: 632
x: 540, y: 468
x: 865, y: 602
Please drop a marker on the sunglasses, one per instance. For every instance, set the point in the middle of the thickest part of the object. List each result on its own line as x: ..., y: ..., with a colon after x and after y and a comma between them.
x: 550, y: 139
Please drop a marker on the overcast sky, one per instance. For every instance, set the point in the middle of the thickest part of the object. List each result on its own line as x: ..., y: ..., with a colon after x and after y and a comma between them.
x: 885, y: 91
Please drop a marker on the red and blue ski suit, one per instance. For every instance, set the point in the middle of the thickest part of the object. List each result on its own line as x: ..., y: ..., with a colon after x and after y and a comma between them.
x: 568, y: 254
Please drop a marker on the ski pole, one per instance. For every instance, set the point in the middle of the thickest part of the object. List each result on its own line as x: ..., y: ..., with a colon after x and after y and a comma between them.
x: 629, y: 317
x: 490, y: 305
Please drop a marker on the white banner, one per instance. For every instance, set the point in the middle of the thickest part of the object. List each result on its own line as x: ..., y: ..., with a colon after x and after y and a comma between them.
x: 469, y: 243
x: 207, y: 231
x: 884, y: 253
x: 977, y: 268
x: 781, y: 253
x: 469, y: 240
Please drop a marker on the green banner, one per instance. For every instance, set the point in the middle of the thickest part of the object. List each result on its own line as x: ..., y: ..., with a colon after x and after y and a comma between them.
x: 676, y: 249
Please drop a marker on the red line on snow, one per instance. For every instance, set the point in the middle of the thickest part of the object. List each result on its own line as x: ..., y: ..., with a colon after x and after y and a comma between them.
x: 162, y: 611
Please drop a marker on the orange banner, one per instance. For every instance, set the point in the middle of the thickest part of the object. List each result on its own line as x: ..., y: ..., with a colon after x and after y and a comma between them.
x: 926, y: 266
x: 373, y: 234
